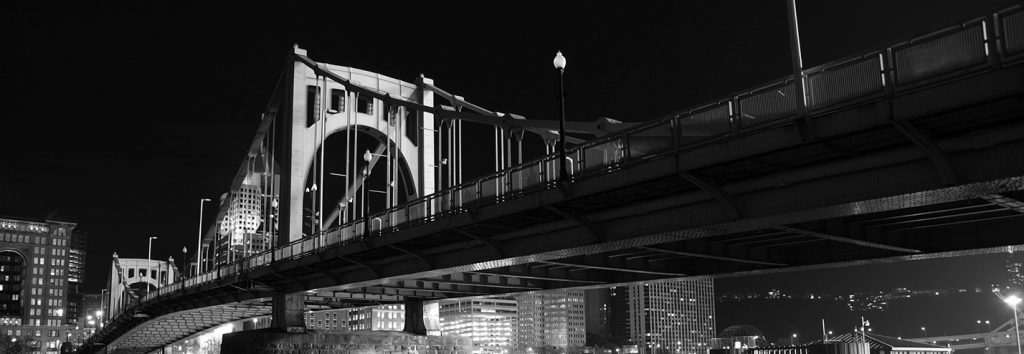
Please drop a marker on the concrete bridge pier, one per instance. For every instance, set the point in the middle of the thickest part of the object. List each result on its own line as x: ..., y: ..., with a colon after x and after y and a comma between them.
x: 286, y: 312
x: 414, y: 317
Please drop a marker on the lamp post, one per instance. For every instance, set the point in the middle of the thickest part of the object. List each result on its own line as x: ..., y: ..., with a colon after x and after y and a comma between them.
x: 199, y: 241
x: 149, y: 261
x: 559, y: 62
x: 184, y: 263
x: 1013, y: 300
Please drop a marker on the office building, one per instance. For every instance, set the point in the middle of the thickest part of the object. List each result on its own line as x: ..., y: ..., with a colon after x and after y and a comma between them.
x: 664, y: 317
x: 598, y: 304
x: 76, y: 274
x: 34, y: 280
x: 490, y: 323
x: 1015, y: 271
x: 331, y: 320
x: 554, y: 318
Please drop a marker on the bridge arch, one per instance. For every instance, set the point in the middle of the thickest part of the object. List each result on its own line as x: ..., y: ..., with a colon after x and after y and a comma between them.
x: 342, y: 154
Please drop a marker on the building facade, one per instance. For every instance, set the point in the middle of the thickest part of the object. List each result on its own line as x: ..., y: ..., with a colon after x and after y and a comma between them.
x: 490, y: 323
x: 333, y: 320
x: 34, y: 260
x: 664, y: 317
x: 1015, y: 271
x: 371, y: 318
x: 76, y: 275
x: 554, y: 318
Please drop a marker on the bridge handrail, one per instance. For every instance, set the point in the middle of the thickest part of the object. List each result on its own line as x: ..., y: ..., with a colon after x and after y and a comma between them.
x: 826, y: 89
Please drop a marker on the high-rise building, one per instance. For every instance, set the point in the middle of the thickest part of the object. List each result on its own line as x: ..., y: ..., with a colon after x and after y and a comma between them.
x: 1015, y: 271
x: 664, y: 317
x: 554, y: 318
x: 34, y: 280
x: 490, y: 323
x: 598, y: 303
x: 76, y: 274
x: 242, y: 230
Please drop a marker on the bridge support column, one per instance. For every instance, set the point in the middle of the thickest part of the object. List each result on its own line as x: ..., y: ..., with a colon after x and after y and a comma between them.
x: 286, y: 313
x: 414, y: 317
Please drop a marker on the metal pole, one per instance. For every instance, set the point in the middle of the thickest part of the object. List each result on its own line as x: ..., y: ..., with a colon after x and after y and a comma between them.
x: 797, y: 56
x: 149, y: 262
x: 1015, y: 329
x: 199, y: 240
x: 323, y: 152
x: 563, y: 172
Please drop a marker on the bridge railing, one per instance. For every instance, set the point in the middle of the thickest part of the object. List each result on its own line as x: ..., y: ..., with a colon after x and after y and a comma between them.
x: 949, y: 53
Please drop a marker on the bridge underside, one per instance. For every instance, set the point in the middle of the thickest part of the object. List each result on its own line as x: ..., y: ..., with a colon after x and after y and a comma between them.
x: 929, y: 174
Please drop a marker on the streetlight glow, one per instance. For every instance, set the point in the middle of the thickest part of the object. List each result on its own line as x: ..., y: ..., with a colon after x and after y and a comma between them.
x: 1013, y: 300
x: 559, y: 61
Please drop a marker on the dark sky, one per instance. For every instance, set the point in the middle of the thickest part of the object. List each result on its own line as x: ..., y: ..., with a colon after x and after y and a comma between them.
x: 122, y: 116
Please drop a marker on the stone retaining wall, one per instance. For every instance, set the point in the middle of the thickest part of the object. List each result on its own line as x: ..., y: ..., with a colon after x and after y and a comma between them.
x: 358, y: 342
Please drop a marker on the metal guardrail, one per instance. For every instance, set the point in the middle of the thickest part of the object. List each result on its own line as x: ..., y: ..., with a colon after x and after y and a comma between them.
x: 949, y: 53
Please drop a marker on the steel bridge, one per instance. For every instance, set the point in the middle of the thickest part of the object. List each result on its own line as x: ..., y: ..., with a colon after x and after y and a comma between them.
x: 1000, y: 340
x: 909, y: 152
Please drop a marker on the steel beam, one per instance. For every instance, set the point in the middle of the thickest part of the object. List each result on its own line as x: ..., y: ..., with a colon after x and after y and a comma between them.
x: 848, y: 240
x: 1005, y: 202
x: 614, y: 269
x: 708, y: 256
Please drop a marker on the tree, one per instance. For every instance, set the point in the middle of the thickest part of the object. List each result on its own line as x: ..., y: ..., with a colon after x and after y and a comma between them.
x: 15, y: 345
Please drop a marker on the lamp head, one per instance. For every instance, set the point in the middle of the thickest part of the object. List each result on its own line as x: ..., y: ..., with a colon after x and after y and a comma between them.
x: 367, y: 156
x: 559, y: 61
x: 1012, y: 300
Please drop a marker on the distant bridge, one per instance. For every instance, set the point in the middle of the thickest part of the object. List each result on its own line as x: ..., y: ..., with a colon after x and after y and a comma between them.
x: 913, y: 151
x: 1001, y: 340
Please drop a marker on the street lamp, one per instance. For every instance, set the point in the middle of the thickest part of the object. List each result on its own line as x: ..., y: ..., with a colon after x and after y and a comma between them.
x: 149, y: 261
x: 1013, y: 300
x: 149, y: 254
x: 199, y: 241
x: 559, y: 62
x: 924, y: 331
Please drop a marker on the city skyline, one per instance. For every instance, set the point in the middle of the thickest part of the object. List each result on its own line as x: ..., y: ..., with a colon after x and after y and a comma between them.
x: 868, y: 181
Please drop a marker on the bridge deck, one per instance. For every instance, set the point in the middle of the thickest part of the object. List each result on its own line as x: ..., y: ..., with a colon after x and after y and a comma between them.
x: 903, y: 155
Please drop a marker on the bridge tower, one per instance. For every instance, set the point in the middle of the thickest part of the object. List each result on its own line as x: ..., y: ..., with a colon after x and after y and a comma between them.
x: 321, y: 100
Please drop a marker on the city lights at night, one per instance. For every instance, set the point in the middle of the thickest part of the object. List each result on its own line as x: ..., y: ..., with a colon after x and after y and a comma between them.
x: 725, y: 177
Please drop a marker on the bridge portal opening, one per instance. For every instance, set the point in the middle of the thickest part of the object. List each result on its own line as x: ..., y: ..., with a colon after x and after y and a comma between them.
x: 352, y: 186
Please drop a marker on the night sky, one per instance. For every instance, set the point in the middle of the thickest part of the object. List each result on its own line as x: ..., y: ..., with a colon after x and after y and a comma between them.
x: 122, y: 116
